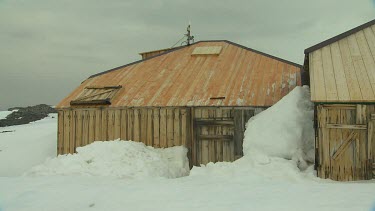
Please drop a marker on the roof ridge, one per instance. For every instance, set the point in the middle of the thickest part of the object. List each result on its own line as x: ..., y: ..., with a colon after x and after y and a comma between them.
x: 339, y: 37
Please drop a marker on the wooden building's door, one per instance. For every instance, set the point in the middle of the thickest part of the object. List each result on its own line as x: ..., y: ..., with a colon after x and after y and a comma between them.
x: 219, y: 133
x: 214, y: 140
x: 344, y: 151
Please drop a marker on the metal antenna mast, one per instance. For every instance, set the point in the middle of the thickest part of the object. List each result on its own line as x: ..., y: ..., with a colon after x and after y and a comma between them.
x: 189, y: 38
x: 188, y: 35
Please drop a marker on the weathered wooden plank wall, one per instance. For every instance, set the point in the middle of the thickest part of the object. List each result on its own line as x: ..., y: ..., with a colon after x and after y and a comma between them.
x: 156, y: 127
x: 219, y: 138
x: 345, y: 141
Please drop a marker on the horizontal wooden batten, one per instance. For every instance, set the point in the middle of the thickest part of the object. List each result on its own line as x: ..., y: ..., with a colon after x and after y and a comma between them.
x: 216, y: 137
x: 341, y: 126
x: 340, y: 106
x: 214, y: 122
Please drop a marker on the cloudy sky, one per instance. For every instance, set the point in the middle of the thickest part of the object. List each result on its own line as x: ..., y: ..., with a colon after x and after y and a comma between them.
x: 48, y: 47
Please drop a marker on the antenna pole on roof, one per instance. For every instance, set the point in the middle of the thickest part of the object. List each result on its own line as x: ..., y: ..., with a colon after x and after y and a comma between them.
x: 188, y: 35
x: 189, y: 38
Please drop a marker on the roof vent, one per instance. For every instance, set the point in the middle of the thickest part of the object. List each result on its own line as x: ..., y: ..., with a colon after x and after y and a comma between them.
x: 208, y: 50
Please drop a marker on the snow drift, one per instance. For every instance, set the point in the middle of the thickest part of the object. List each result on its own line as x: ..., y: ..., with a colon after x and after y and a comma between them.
x: 119, y: 159
x: 284, y: 130
x: 278, y: 143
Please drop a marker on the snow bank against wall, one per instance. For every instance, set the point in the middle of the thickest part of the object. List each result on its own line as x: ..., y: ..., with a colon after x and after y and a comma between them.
x: 119, y: 159
x: 284, y: 130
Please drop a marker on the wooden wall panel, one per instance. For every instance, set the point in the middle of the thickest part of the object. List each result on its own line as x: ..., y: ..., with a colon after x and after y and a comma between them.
x: 91, y: 137
x: 156, y: 130
x: 78, y: 128
x: 66, y: 132
x: 60, y: 132
x: 158, y: 127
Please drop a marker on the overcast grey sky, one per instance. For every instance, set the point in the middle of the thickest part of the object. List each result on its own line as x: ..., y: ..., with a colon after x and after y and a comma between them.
x: 49, y: 47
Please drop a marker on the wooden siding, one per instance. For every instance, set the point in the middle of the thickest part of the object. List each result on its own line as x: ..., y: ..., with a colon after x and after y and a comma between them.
x: 345, y: 141
x: 236, y: 77
x: 165, y: 127
x: 211, y: 134
x: 344, y: 71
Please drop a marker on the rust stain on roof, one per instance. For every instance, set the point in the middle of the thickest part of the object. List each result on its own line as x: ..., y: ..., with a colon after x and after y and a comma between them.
x: 238, y: 76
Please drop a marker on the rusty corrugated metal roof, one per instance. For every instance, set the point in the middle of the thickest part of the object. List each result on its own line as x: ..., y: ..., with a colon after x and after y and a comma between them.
x: 240, y: 75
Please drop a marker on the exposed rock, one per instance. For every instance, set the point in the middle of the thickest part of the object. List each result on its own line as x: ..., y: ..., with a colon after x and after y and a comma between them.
x: 25, y: 115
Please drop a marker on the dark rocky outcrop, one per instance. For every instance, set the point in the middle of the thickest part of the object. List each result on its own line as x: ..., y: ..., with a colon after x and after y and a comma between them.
x: 26, y: 115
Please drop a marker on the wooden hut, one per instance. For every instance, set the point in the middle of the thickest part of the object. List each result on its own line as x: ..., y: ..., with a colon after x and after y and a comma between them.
x: 342, y: 81
x: 199, y: 96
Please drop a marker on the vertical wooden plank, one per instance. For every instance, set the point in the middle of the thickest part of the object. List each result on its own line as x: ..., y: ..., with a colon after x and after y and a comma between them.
x: 238, y: 132
x: 66, y: 132
x: 143, y: 125
x: 60, y: 132
x: 211, y: 131
x: 205, y: 143
x: 98, y: 125
x: 85, y: 129
x: 78, y: 128
x: 340, y: 78
x: 104, y: 134
x: 329, y: 75
x: 130, y: 131
x: 190, y: 140
x: 219, y: 143
x: 137, y: 127
x: 156, y: 121
x: 111, y: 124
x: 123, y: 124
x: 176, y: 127
x: 170, y: 127
x: 183, y: 128
x: 72, y: 130
x: 150, y: 127
x: 370, y: 136
x: 325, y: 143
x: 163, y: 128
x: 91, y: 126
x: 351, y: 77
x: 117, y: 129
x: 320, y: 89
x: 197, y: 131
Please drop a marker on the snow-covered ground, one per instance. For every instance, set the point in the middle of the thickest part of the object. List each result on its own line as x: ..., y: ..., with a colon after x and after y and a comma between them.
x: 266, y: 178
x: 24, y: 146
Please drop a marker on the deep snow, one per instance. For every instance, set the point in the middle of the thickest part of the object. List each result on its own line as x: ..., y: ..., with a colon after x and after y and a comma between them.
x: 118, y: 159
x: 264, y: 179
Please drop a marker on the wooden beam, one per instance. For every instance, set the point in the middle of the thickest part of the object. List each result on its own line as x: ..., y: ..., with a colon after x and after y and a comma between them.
x: 214, y: 122
x: 345, y: 144
x: 216, y: 137
x: 342, y: 126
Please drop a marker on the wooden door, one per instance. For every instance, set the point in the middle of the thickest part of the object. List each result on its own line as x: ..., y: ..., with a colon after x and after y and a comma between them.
x: 214, y: 140
x: 342, y: 142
